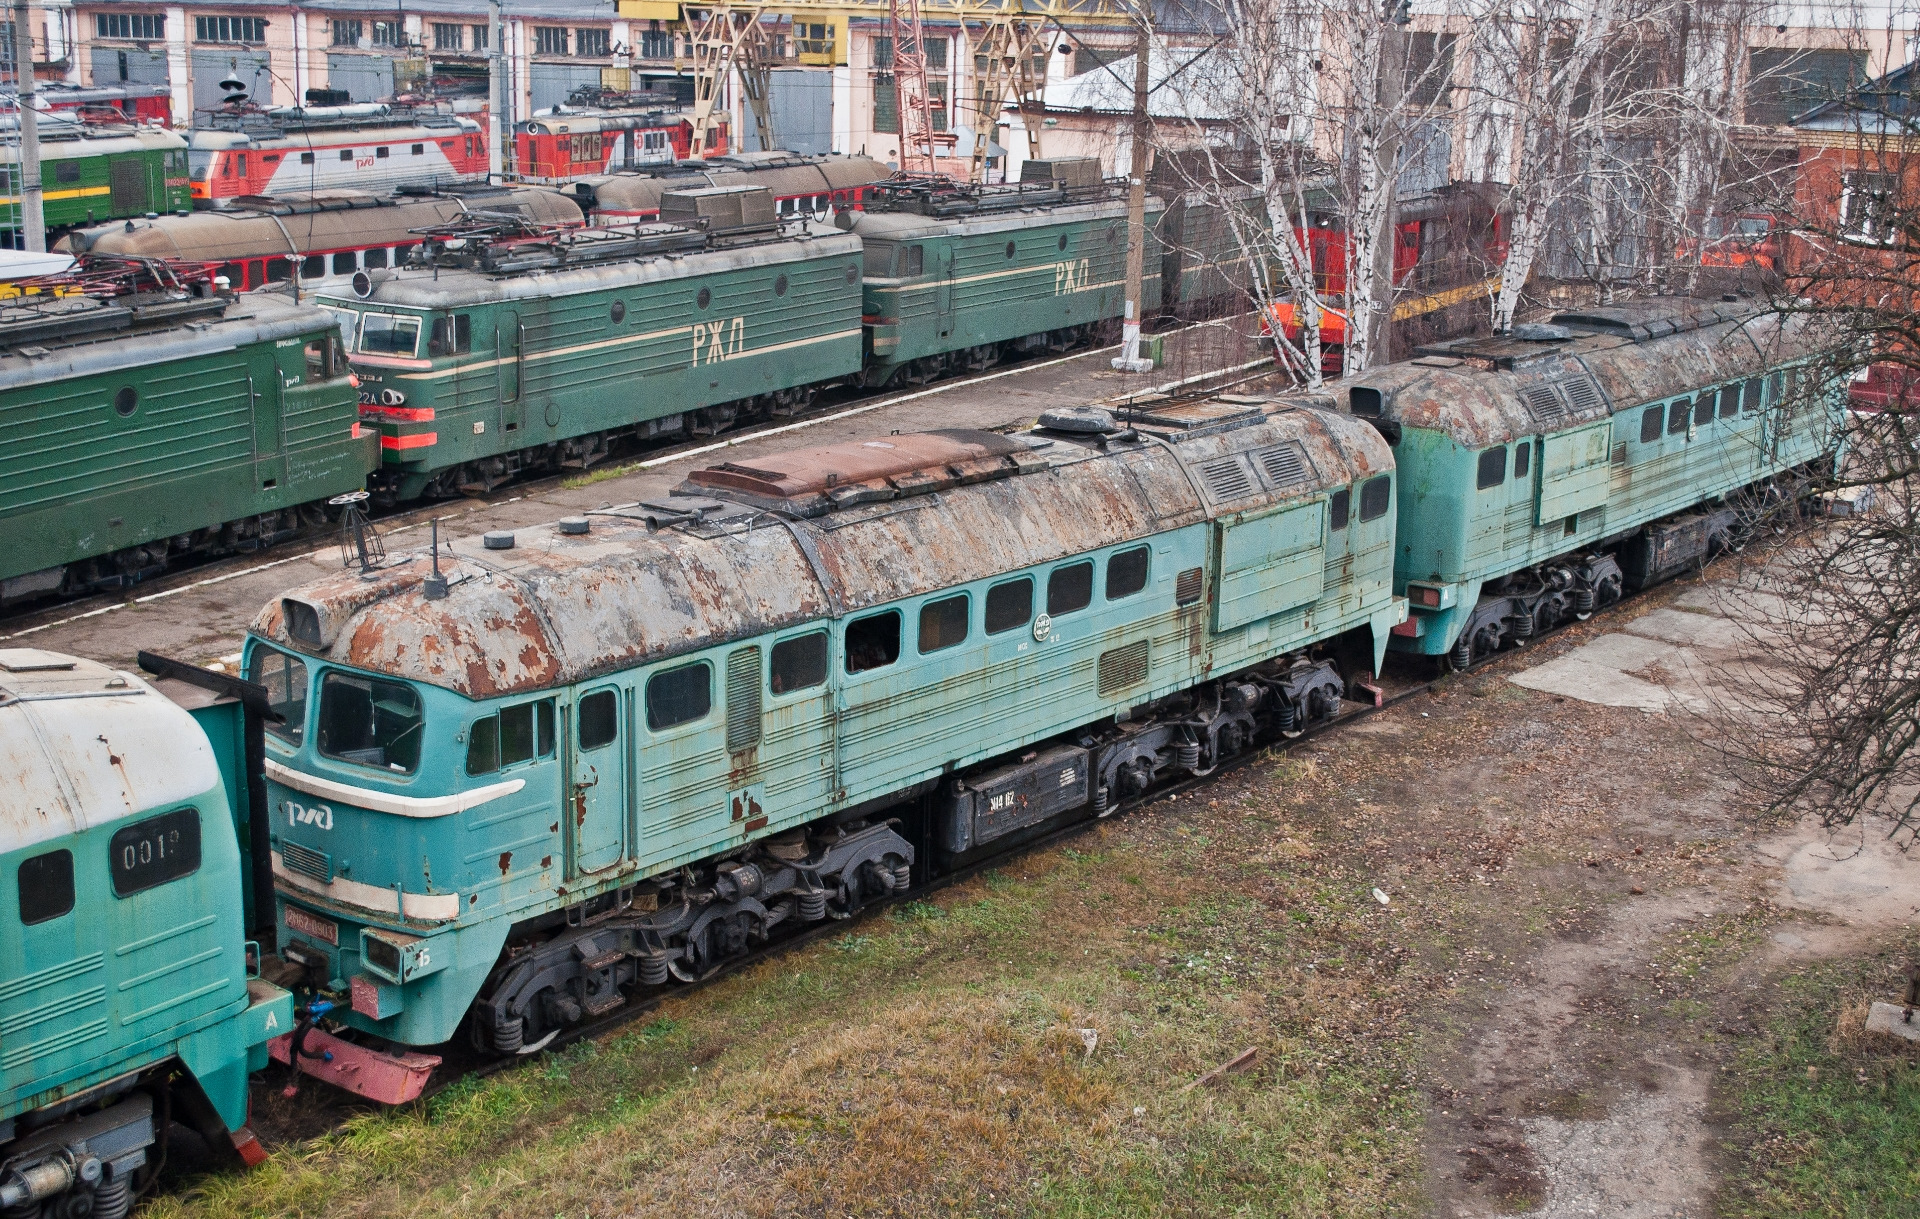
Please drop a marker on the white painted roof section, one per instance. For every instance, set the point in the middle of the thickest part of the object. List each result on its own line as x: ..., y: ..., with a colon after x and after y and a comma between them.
x: 82, y: 745
x: 1184, y: 82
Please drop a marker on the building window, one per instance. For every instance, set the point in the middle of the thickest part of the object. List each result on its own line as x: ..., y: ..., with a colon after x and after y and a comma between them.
x: 549, y: 40
x: 656, y: 43
x: 937, y: 54
x: 448, y: 37
x: 1785, y: 81
x: 230, y: 29
x: 347, y: 33
x: 145, y: 27
x: 479, y: 37
x: 1086, y: 59
x: 589, y: 44
x: 1867, y: 211
x: 886, y: 97
x: 389, y: 34
x: 1429, y: 69
x: 937, y: 100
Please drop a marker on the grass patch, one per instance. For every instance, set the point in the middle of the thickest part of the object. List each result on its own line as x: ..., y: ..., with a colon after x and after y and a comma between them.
x: 1824, y: 1117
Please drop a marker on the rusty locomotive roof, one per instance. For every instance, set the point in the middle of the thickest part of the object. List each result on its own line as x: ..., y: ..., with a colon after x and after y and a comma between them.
x: 1484, y: 391
x: 740, y: 550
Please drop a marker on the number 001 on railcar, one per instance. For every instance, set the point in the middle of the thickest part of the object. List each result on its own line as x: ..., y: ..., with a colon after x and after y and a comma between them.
x: 634, y: 744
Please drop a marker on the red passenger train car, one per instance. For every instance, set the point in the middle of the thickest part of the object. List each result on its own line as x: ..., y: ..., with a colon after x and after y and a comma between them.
x: 367, y: 146
x: 559, y: 145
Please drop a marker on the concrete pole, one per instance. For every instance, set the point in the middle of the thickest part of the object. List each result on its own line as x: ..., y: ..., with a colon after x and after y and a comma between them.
x: 1393, y: 79
x: 1129, y: 358
x: 497, y: 129
x: 33, y: 220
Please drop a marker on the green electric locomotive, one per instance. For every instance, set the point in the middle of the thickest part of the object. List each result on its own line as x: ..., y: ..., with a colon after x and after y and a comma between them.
x: 1547, y: 471
x: 90, y: 173
x: 150, y: 418
x: 127, y: 995
x: 532, y: 772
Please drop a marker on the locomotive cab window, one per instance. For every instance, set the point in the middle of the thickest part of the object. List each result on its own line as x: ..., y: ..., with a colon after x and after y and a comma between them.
x: 1750, y: 396
x: 913, y: 261
x: 879, y: 260
x: 1703, y: 410
x: 599, y: 715
x: 799, y: 663
x: 1651, y: 421
x: 679, y: 696
x: 389, y: 334
x: 1522, y: 458
x: 148, y: 854
x: 1070, y: 588
x: 943, y: 624
x: 370, y: 722
x: 514, y: 735
x: 285, y: 680
x: 1126, y: 573
x: 1338, y: 505
x: 1677, y: 416
x: 873, y: 642
x: 1729, y: 401
x: 1493, y: 468
x: 452, y: 336
x: 1376, y: 496
x: 1009, y: 605
x: 46, y: 886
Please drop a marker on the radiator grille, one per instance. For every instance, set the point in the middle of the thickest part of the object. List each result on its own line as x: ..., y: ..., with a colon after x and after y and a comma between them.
x: 1582, y: 393
x: 743, y: 699
x: 1186, y: 587
x: 1227, y: 478
x: 1286, y: 465
x: 307, y: 861
x: 1544, y: 403
x: 1122, y: 667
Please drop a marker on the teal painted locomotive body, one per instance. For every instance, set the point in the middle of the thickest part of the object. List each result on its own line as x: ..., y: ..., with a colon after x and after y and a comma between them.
x: 1542, y: 477
x: 123, y: 877
x: 142, y: 429
x: 628, y: 753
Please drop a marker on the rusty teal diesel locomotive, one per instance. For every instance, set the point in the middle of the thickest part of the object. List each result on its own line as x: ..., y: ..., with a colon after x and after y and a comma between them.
x: 126, y: 998
x: 628, y: 747
x: 1546, y: 472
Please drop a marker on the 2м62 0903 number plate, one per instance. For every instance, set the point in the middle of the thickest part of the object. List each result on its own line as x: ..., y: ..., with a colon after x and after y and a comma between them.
x: 313, y: 925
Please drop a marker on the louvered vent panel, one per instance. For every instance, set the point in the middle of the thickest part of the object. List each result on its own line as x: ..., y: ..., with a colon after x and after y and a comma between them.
x: 307, y: 861
x: 743, y: 699
x: 1544, y: 403
x: 1123, y: 667
x: 1582, y: 393
x: 1227, y: 478
x: 1287, y: 465
x: 1188, y: 586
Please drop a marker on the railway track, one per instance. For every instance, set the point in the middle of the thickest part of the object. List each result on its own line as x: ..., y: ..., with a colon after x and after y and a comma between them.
x: 29, y: 619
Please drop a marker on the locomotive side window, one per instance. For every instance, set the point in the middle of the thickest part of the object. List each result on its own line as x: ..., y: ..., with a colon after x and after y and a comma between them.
x: 1729, y: 401
x: 1750, y: 396
x: 879, y: 260
x: 46, y: 886
x: 150, y: 853
x: 1493, y: 467
x: 279, y: 270
x: 517, y: 734
x: 599, y: 719
x: 1677, y: 416
x: 1126, y: 573
x: 451, y: 336
x: 1009, y: 605
x: 370, y: 722
x: 1650, y: 423
x: 345, y: 263
x: 679, y: 696
x: 1376, y: 494
x: 798, y: 664
x: 389, y: 334
x: 306, y: 158
x: 1070, y: 588
x: 1522, y: 459
x: 374, y: 260
x: 286, y: 681
x: 313, y: 266
x: 873, y: 642
x: 66, y: 171
x: 1703, y: 410
x: 914, y: 261
x: 943, y: 624
x: 1338, y: 505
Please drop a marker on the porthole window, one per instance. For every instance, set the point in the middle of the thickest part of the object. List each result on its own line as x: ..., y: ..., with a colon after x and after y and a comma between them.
x: 619, y: 311
x: 1063, y: 241
x: 780, y: 286
x: 1009, y: 249
x: 125, y: 401
x: 705, y: 298
x: 853, y: 273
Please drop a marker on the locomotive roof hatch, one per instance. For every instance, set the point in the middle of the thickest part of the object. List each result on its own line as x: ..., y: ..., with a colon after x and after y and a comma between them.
x: 813, y: 482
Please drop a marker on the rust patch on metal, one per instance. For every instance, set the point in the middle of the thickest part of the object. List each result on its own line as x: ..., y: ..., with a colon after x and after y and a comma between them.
x: 506, y: 861
x: 546, y: 861
x: 758, y: 823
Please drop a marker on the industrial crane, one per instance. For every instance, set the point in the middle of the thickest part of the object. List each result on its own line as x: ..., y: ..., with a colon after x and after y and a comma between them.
x: 1001, y: 38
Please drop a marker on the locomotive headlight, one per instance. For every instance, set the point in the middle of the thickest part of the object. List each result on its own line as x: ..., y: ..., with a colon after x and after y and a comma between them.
x: 392, y: 397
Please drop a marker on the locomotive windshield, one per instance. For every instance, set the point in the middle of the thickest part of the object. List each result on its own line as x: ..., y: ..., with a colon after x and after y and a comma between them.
x: 389, y: 334
x: 370, y: 722
x: 285, y: 679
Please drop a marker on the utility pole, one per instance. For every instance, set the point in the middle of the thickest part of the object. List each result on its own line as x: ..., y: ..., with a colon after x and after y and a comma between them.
x: 1393, y: 83
x: 33, y: 220
x: 496, y: 96
x: 1129, y: 359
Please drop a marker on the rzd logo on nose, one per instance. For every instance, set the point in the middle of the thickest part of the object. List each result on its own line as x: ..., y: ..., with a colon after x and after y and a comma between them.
x: 717, y: 341
x: 319, y: 815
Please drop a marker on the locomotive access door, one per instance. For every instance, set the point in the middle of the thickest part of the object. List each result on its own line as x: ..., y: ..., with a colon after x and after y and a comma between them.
x: 943, y: 286
x: 508, y: 334
x: 265, y: 398
x: 597, y: 768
